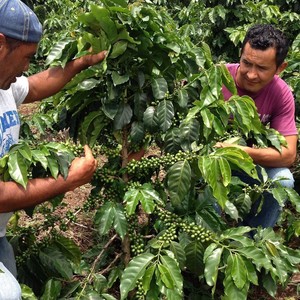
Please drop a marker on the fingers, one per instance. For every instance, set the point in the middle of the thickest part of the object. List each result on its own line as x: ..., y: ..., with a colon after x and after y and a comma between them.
x: 88, y: 152
x: 89, y: 155
x: 218, y: 145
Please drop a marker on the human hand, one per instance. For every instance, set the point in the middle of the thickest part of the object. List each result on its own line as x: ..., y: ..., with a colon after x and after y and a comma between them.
x: 92, y: 59
x: 82, y: 169
x: 225, y: 145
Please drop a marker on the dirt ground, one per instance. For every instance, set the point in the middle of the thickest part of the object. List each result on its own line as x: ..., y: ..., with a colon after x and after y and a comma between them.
x: 82, y: 233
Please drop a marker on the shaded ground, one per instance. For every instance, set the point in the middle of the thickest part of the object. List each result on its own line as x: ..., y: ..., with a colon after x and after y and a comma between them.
x: 82, y: 232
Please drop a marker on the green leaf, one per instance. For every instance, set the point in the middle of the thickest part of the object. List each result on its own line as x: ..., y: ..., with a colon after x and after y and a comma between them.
x: 165, y: 276
x: 183, y: 98
x: 104, y: 218
x: 211, y: 269
x: 251, y: 272
x: 179, y: 181
x: 119, y: 79
x: 228, y: 80
x: 293, y: 197
x: 53, y: 166
x: 64, y: 160
x: 165, y: 114
x: 52, y: 290
x: 39, y: 156
x: 147, y: 278
x: 25, y: 151
x: 102, y: 16
x: 279, y: 194
x: 159, y: 87
x: 189, y: 133
x: 149, y: 118
x: 258, y: 257
x: 132, y: 198
x: 232, y: 292
x: 179, y: 253
x: 118, y: 49
x: 269, y: 284
x: 147, y: 201
x: 69, y: 249
x: 27, y: 293
x: 17, y: 168
x: 238, y: 271
x: 173, y: 270
x: 210, y: 169
x: 194, y: 252
x: 120, y: 223
x: 123, y: 116
x: 137, y: 132
x: 57, y: 50
x: 56, y: 263
x: 92, y: 126
x: 99, y: 283
x: 133, y: 272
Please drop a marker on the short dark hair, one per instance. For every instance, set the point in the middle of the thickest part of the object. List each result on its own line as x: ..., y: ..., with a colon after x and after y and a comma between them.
x: 264, y: 36
x: 13, y: 43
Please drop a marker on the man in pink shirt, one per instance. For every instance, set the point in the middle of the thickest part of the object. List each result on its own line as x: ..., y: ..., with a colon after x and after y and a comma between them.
x: 263, y: 52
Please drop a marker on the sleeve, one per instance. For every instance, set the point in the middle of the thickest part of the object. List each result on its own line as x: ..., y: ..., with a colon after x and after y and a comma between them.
x: 20, y: 89
x: 284, y: 116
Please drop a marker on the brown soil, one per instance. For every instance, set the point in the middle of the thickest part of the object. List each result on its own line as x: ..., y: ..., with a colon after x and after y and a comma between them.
x: 82, y: 231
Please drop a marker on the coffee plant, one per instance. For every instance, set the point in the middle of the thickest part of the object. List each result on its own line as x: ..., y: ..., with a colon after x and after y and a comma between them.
x: 166, y: 205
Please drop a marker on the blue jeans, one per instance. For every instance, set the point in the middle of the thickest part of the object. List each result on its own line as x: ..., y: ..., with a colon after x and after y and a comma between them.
x: 270, y: 210
x: 9, y: 286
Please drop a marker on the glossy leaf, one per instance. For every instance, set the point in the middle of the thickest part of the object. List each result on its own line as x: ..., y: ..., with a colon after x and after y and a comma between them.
x: 69, y: 249
x: 211, y: 269
x: 194, y: 252
x: 118, y: 49
x: 56, y: 51
x: 56, y: 262
x: 120, y: 222
x: 165, y: 276
x: 165, y: 114
x: 294, y: 197
x: 119, y: 79
x: 258, y: 257
x: 105, y: 217
x: 147, y: 278
x: 238, y: 271
x: 150, y: 119
x: 132, y: 198
x: 228, y: 80
x: 134, y: 271
x: 173, y: 271
x: 123, y: 116
x: 179, y: 253
x: 232, y: 292
x: 159, y: 87
x: 52, y: 290
x: 137, y: 132
x: 104, y: 20
x: 179, y: 181
x: 17, y: 168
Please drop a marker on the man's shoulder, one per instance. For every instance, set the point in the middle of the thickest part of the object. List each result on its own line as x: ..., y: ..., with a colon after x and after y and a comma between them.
x: 232, y: 67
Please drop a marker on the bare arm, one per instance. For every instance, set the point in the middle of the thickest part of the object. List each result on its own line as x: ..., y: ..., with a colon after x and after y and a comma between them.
x: 270, y: 157
x: 13, y: 196
x: 47, y: 83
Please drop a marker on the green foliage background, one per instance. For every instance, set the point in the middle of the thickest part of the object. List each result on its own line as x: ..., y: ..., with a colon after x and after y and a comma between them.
x: 159, y: 235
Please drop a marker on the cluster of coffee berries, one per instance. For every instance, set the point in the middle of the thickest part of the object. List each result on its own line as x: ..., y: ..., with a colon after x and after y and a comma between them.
x: 136, y: 240
x: 150, y: 164
x: 174, y: 224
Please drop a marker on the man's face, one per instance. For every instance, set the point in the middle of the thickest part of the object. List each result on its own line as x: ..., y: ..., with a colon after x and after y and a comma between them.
x: 14, y: 62
x: 257, y: 68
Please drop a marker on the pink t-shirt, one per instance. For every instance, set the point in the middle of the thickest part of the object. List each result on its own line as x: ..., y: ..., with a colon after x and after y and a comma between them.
x: 275, y: 103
